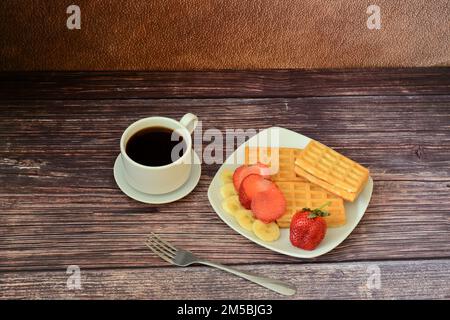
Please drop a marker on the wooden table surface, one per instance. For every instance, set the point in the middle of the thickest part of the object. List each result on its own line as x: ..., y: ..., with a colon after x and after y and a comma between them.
x: 60, y: 206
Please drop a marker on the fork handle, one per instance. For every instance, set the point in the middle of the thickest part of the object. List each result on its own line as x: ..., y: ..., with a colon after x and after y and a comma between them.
x: 272, y: 284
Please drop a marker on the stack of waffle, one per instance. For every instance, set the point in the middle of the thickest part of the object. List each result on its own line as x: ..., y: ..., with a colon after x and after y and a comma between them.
x: 311, y: 177
x: 331, y: 170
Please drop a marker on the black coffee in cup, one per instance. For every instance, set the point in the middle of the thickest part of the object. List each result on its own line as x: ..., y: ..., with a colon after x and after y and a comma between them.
x: 155, y: 146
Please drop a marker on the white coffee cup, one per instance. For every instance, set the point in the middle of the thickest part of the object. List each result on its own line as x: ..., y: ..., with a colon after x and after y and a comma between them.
x: 161, y: 179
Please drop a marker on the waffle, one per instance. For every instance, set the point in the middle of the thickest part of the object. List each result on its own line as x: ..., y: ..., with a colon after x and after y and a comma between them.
x: 331, y: 170
x: 301, y: 195
x: 283, y: 165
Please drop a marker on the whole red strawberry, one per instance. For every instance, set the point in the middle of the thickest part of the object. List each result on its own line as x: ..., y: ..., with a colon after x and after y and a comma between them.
x: 308, y: 228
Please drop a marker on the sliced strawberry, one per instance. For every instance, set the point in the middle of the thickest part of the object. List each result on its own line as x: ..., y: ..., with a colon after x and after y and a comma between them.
x: 243, y: 171
x: 239, y: 175
x: 251, y: 185
x: 269, y: 205
x: 245, y: 200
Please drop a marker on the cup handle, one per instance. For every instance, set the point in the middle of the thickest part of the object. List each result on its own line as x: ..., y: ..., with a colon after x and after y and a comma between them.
x: 189, y: 121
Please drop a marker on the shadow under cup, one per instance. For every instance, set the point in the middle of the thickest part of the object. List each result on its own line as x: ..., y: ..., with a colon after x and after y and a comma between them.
x: 157, y: 179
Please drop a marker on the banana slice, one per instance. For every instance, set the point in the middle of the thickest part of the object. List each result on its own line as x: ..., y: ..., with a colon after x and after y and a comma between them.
x: 245, y: 219
x: 266, y: 231
x: 227, y: 176
x: 227, y: 190
x: 232, y: 205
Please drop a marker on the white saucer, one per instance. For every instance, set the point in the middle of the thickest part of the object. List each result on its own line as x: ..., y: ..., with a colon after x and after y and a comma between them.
x: 181, y: 192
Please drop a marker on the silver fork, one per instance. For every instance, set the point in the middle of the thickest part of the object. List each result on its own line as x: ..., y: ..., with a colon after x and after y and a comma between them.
x: 184, y: 258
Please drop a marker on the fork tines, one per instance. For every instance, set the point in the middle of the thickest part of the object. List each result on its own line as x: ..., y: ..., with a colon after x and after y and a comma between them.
x: 161, y: 247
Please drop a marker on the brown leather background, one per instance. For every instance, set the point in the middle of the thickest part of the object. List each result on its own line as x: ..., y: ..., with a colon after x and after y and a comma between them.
x: 222, y: 34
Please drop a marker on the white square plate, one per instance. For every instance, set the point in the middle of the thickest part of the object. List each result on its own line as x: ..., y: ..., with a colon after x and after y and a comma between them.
x: 333, y: 237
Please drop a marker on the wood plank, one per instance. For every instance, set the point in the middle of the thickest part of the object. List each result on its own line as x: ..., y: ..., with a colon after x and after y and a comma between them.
x: 60, y: 205
x: 398, y: 280
x: 222, y: 84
